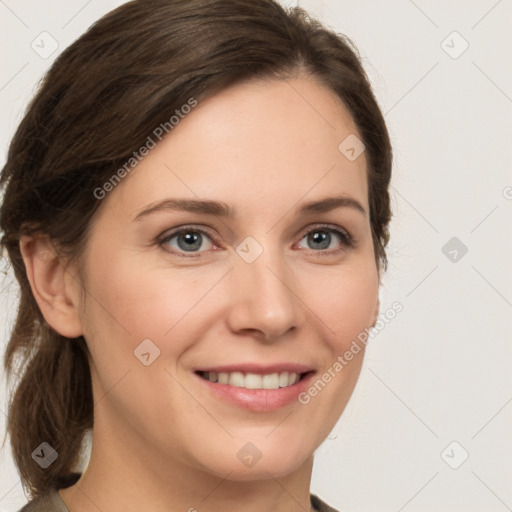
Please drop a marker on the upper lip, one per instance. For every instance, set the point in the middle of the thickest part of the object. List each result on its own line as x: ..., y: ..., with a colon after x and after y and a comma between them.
x: 257, y: 368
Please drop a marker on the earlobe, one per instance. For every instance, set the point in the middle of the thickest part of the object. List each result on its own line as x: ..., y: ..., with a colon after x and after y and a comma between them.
x: 54, y: 289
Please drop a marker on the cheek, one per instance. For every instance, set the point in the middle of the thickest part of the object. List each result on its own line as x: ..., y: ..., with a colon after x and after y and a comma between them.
x: 346, y: 302
x: 126, y: 307
x: 143, y: 302
x: 131, y: 302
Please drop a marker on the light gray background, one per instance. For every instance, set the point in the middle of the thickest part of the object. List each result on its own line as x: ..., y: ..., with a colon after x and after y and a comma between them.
x: 441, y: 370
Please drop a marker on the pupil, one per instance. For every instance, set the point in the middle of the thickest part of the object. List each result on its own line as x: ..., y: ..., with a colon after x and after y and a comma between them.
x: 191, y: 241
x: 322, y: 238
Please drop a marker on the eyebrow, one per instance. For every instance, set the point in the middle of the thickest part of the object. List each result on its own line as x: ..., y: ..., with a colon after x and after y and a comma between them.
x: 221, y: 209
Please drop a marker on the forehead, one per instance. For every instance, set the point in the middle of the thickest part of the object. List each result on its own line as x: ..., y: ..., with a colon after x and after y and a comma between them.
x: 254, y: 145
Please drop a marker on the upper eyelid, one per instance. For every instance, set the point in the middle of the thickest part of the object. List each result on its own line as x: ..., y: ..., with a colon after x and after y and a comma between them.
x: 177, y: 231
x: 204, y: 230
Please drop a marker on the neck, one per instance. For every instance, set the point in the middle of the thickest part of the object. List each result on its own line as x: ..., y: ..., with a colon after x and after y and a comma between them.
x: 124, y: 476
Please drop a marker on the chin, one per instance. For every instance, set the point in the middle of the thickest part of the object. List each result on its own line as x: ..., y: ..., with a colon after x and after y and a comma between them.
x: 250, y: 463
x: 260, y: 471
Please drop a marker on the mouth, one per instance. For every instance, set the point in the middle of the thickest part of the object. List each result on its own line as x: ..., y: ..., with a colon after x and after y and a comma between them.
x: 257, y: 388
x: 249, y: 380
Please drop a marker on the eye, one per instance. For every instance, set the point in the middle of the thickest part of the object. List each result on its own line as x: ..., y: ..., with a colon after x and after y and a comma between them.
x: 187, y: 240
x: 328, y: 239
x: 191, y: 241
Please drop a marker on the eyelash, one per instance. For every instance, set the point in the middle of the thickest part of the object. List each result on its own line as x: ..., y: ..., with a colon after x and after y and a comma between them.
x: 347, y: 242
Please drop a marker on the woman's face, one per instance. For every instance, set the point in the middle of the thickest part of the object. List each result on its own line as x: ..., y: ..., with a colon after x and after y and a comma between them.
x: 180, y: 295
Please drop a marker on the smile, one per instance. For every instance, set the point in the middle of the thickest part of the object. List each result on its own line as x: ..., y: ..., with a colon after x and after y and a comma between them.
x: 253, y: 380
x: 260, y: 388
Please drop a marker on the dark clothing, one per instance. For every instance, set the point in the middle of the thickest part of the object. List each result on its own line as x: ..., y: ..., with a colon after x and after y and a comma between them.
x: 52, y: 502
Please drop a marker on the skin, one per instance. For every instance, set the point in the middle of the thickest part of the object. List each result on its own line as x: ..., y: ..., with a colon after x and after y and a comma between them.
x: 161, y: 442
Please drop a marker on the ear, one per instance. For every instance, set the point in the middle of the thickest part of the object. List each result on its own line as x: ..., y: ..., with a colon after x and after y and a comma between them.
x: 55, y: 289
x: 379, y: 293
x: 376, y: 311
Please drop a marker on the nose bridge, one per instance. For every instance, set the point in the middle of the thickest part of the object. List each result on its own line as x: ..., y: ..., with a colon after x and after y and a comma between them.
x: 263, y: 297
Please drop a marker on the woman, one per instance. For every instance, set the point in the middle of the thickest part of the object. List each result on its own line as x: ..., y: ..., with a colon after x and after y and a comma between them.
x: 196, y: 209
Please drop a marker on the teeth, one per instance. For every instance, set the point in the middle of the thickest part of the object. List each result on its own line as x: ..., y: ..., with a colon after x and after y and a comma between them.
x: 283, y: 379
x: 270, y: 381
x: 253, y: 380
x: 236, y: 379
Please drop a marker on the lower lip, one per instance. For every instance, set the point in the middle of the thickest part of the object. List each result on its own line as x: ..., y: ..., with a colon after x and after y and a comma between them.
x: 259, y: 400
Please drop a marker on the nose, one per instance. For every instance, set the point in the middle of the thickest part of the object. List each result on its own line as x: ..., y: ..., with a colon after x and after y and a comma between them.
x: 262, y: 298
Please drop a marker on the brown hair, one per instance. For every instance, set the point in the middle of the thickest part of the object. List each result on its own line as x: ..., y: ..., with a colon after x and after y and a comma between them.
x: 98, y: 103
